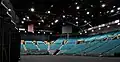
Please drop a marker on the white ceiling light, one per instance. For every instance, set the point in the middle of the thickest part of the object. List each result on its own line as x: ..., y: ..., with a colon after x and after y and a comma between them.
x: 24, y: 18
x: 44, y: 32
x: 103, y: 5
x: 76, y: 3
x: 118, y: 8
x: 80, y: 33
x: 112, y: 11
x: 76, y: 18
x: 51, y: 5
x: 42, y: 21
x: 88, y: 12
x: 85, y: 31
x: 63, y: 23
x: 38, y: 23
x: 77, y: 7
x: 38, y: 32
x: 21, y: 29
x: 118, y: 24
x: 27, y: 17
x: 107, y: 11
x: 48, y: 12
x: 25, y: 31
x: 9, y: 9
x: 63, y: 16
x: 108, y: 26
x: 48, y: 25
x: 91, y: 5
x: 52, y: 23
x: 51, y: 33
x: 56, y: 21
x: 76, y: 22
x: 32, y: 9
x: 92, y: 30
x: 99, y: 28
x: 85, y: 21
x: 92, y: 16
x: 117, y: 21
x: 22, y: 22
x: 114, y: 6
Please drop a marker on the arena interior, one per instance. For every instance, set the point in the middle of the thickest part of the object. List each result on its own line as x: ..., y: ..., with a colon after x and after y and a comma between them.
x: 59, y: 31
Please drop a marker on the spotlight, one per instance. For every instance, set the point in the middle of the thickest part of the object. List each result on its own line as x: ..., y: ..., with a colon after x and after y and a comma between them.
x: 77, y: 7
x: 118, y: 24
x: 112, y: 11
x: 114, y: 6
x: 44, y: 32
x: 91, y: 5
x: 9, y: 9
x: 32, y: 9
x: 38, y: 32
x: 56, y: 21
x: 99, y: 28
x: 63, y: 16
x: 24, y: 18
x: 51, y: 33
x: 51, y: 5
x: 52, y: 23
x: 27, y: 17
x: 80, y: 33
x: 38, y: 23
x: 22, y: 22
x: 48, y: 12
x: 92, y: 30
x: 108, y: 26
x: 117, y: 21
x: 85, y: 21
x: 42, y: 21
x: 103, y: 5
x: 76, y: 18
x: 76, y: 3
x: 118, y: 8
x: 88, y: 12
x: 76, y: 22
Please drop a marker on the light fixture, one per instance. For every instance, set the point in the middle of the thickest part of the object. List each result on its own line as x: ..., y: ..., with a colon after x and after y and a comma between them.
x: 91, y: 5
x: 63, y: 16
x: 92, y: 30
x: 118, y: 24
x: 27, y: 17
x: 77, y: 7
x: 112, y: 11
x: 32, y: 9
x: 9, y: 9
x: 21, y: 29
x: 118, y: 8
x: 80, y: 33
x: 38, y: 32
x: 92, y: 16
x: 38, y: 23
x: 42, y: 21
x: 108, y: 26
x: 51, y: 33
x: 51, y: 5
x: 117, y: 21
x: 99, y: 28
x: 103, y: 5
x: 22, y: 22
x: 52, y: 23
x: 76, y: 22
x: 44, y: 32
x: 25, y: 31
x: 85, y: 31
x: 114, y: 6
x: 24, y: 18
x: 85, y: 21
x: 76, y: 3
x: 76, y: 18
x: 56, y: 21
x: 107, y: 11
x: 48, y: 12
x: 88, y: 12
x: 63, y: 23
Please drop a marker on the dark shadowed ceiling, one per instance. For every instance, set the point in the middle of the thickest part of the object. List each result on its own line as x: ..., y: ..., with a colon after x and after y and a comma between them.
x: 81, y: 14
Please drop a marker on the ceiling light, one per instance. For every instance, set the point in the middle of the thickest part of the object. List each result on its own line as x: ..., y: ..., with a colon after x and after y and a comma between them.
x: 32, y: 9
x: 85, y: 31
x: 76, y: 18
x: 117, y: 21
x: 44, y: 32
x: 38, y: 23
x: 103, y: 5
x: 52, y: 23
x: 112, y: 11
x: 51, y: 5
x: 76, y: 3
x: 108, y: 26
x: 118, y: 24
x: 24, y: 18
x: 22, y: 22
x: 91, y: 5
x: 76, y: 22
x: 63, y: 16
x: 118, y: 8
x: 77, y: 7
x: 48, y: 11
x: 92, y: 16
x: 42, y: 21
x: 25, y: 31
x: 85, y: 21
x: 103, y: 25
x: 101, y: 1
x: 51, y: 33
x: 114, y: 6
x: 99, y: 28
x: 92, y: 30
x: 107, y: 11
x: 88, y: 12
x: 38, y: 32
x: 80, y: 33
x: 48, y: 25
x: 21, y: 29
x: 56, y: 21
x: 27, y: 17
x: 63, y: 23
x: 9, y: 9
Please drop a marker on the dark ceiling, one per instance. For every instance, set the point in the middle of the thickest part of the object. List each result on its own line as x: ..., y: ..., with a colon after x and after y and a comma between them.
x: 75, y: 17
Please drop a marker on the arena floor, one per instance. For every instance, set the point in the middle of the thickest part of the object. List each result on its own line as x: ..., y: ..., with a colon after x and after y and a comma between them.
x: 45, y: 58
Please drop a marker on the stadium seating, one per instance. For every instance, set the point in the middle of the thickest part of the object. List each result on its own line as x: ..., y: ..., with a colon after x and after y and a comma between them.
x: 97, y: 45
